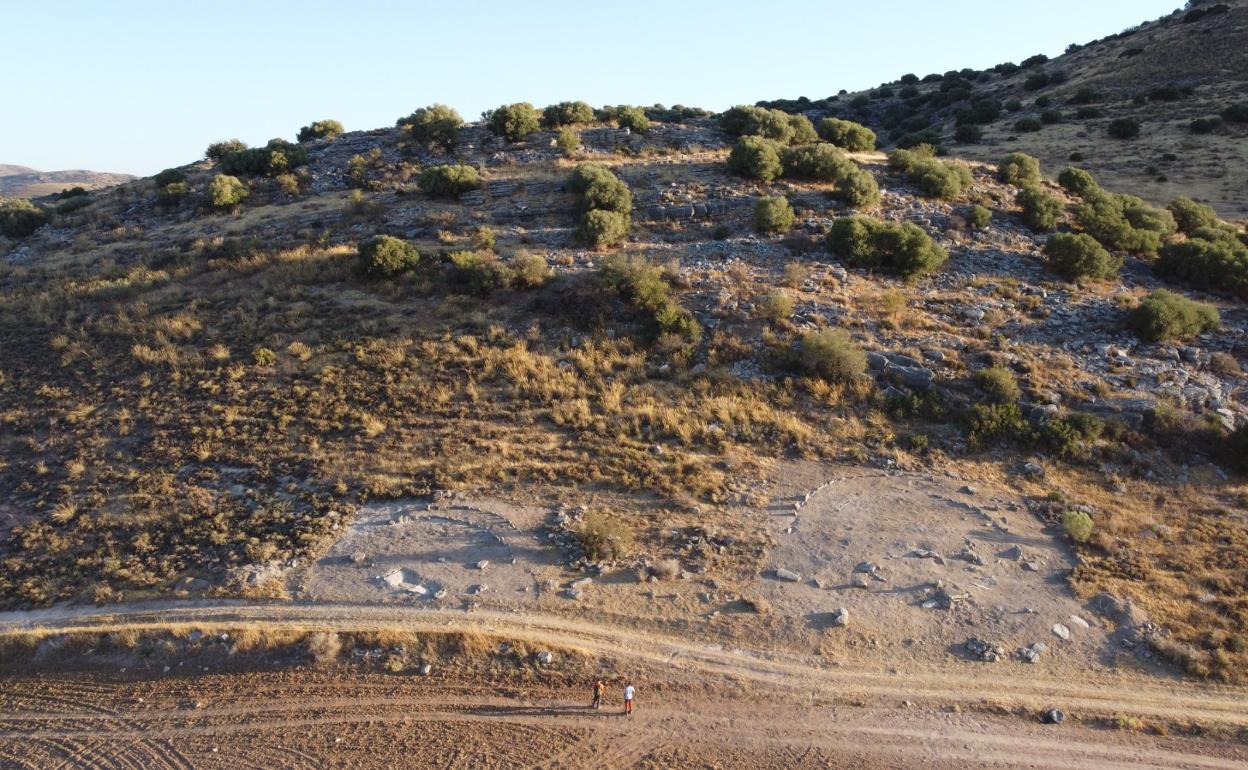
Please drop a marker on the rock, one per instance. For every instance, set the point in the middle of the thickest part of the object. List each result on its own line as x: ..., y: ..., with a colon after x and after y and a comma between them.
x: 1054, y: 717
x: 969, y: 556
x: 987, y: 652
x: 1013, y: 553
x: 425, y: 669
x: 859, y: 581
x: 358, y: 558
x: 912, y: 377
x: 1061, y: 632
x: 1032, y: 654
x: 840, y: 618
x: 481, y: 565
x: 1031, y: 566
x: 867, y: 567
x: 967, y: 489
x: 1033, y: 470
x: 1122, y: 612
x: 545, y: 657
x: 1075, y: 620
x: 789, y: 576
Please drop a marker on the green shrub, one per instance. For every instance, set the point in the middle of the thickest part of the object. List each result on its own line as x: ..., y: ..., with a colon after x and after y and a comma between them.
x: 217, y: 151
x: 1215, y: 260
x: 632, y: 118
x: 448, y: 181
x: 1124, y: 128
x: 225, y: 191
x: 1124, y: 222
x: 773, y: 216
x: 1075, y: 256
x: 776, y: 306
x: 756, y: 158
x: 601, y: 228
x: 978, y: 217
x: 435, y: 124
x: 568, y: 141
x: 321, y: 129
x: 1089, y: 113
x: 1020, y: 169
x: 529, y: 271
x: 857, y: 189
x: 597, y: 188
x: 383, y: 256
x: 987, y: 424
x: 514, y: 121
x: 803, y: 130
x: 477, y: 272
x: 830, y: 354
x: 1077, y: 525
x: 1078, y: 182
x: 19, y: 217
x: 1051, y: 117
x: 1041, y: 210
x: 643, y: 284
x: 933, y: 177
x: 567, y: 114
x: 603, y: 538
x: 277, y: 157
x: 1190, y: 216
x: 172, y: 193
x: 1164, y: 315
x: 901, y: 249
x: 1205, y: 125
x: 968, y: 134
x: 820, y: 162
x: 1028, y: 125
x: 169, y: 176
x: 776, y: 125
x: 1236, y: 113
x: 999, y: 384
x: 585, y: 174
x: 847, y: 135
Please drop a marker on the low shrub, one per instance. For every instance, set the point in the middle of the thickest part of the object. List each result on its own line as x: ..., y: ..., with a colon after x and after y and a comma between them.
x: 383, y: 256
x: 1124, y: 128
x: 1212, y: 259
x: 776, y: 125
x: 632, y: 118
x: 1041, y: 210
x: 172, y: 193
x: 567, y: 114
x: 601, y: 228
x: 820, y: 162
x: 901, y: 249
x: 604, y: 538
x: 218, y: 150
x: 169, y: 176
x: 830, y: 354
x: 999, y: 384
x: 1089, y: 113
x: 776, y: 306
x: 1165, y: 315
x: 968, y: 134
x: 1019, y: 168
x: 773, y: 216
x: 605, y: 203
x: 1028, y: 125
x: 477, y: 272
x: 448, y: 181
x: 1076, y: 181
x: 1190, y: 216
x: 1076, y: 256
x: 435, y: 124
x: 321, y: 129
x: 529, y: 271
x: 935, y: 178
x: 19, y: 217
x: 846, y: 134
x: 514, y: 121
x: 1077, y: 525
x: 978, y: 217
x: 277, y: 157
x: 1124, y: 222
x: 1205, y: 125
x: 225, y: 191
x: 1236, y: 113
x: 644, y: 285
x: 568, y: 141
x: 988, y: 424
x: 756, y: 158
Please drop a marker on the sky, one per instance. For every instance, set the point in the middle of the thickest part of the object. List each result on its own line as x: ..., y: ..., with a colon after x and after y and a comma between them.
x: 140, y: 85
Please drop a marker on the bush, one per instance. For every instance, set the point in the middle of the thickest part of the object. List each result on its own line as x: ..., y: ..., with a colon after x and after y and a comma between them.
x: 999, y: 384
x: 830, y: 354
x: 567, y: 114
x: 902, y: 249
x: 1075, y: 256
x: 968, y: 134
x: 1051, y: 117
x: 321, y: 129
x: 756, y: 158
x: 1237, y: 448
x: 435, y: 124
x: 568, y: 141
x: 1205, y: 125
x: 1190, y: 216
x: 1085, y: 95
x: 1028, y: 125
x: 643, y: 284
x: 1041, y: 211
x: 514, y: 121
x: 601, y: 228
x: 1019, y: 169
x: 1236, y: 113
x: 218, y: 150
x: 383, y: 256
x: 820, y: 162
x: 1164, y: 315
x: 1077, y: 525
x: 19, y: 217
x: 478, y: 272
x: 603, y: 538
x: 1078, y: 182
x: 776, y: 125
x: 978, y: 217
x: 277, y: 157
x: 933, y: 177
x: 803, y: 130
x: 225, y: 191
x: 529, y: 271
x: 989, y: 423
x: 633, y: 119
x: 1123, y: 222
x: 776, y: 306
x: 448, y: 181
x: 169, y: 176
x: 1124, y: 128
x: 1216, y: 260
x: 773, y: 216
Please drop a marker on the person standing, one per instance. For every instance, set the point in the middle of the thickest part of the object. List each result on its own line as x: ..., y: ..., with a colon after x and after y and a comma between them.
x: 599, y: 690
x: 629, y: 692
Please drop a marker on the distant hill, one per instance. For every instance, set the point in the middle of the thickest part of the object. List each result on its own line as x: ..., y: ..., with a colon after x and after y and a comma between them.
x: 24, y: 182
x: 1165, y: 74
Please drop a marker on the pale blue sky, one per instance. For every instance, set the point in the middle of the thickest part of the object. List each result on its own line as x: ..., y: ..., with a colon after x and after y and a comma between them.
x: 139, y: 85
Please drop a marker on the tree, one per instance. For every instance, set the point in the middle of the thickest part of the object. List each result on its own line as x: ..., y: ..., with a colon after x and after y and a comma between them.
x: 756, y: 158
x: 448, y: 181
x: 383, y: 256
x: 435, y: 124
x: 514, y: 121
x: 773, y: 216
x: 321, y: 129
x: 1075, y: 256
x: 226, y: 191
x: 847, y: 135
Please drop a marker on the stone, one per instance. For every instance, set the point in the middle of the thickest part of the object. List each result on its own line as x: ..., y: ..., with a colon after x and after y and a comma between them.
x: 1121, y: 611
x: 426, y: 669
x: 967, y: 489
x: 1013, y: 553
x: 1061, y: 632
x: 840, y: 617
x: 859, y: 581
x: 545, y: 657
x: 481, y: 565
x: 987, y: 652
x: 1054, y: 717
x: 867, y: 567
x: 789, y: 576
x: 1075, y: 620
x: 1033, y: 470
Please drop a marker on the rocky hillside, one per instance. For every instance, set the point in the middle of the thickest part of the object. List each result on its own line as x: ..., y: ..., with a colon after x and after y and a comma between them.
x: 23, y: 182
x: 210, y: 370
x: 1174, y: 77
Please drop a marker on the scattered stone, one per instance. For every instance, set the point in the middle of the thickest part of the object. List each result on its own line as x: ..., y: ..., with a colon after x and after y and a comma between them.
x: 967, y: 555
x: 859, y: 581
x: 840, y: 617
x: 1031, y: 566
x: 1013, y: 553
x: 867, y: 567
x: 1033, y: 470
x: 359, y: 558
x: 1032, y: 654
x: 545, y: 657
x: 426, y: 669
x: 1054, y: 717
x: 789, y: 576
x: 481, y: 565
x: 987, y: 652
x: 1061, y: 632
x: 969, y: 490
x: 1075, y: 620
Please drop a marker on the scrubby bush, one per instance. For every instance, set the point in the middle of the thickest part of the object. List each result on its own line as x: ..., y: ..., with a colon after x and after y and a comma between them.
x: 776, y: 125
x: 568, y: 141
x: 514, y: 121
x: 567, y: 114
x: 978, y: 217
x: 1019, y: 169
x: 645, y: 286
x: 1124, y: 128
x: 383, y: 256
x: 987, y: 424
x: 803, y: 130
x: 1041, y: 210
x: 999, y: 384
x: 1077, y: 525
x: 820, y: 162
x: 1205, y: 125
x: 847, y: 134
x: 1236, y: 113
x: 830, y: 354
x: 605, y: 203
x: 225, y: 191
x: 529, y: 271
x: 477, y: 272
x: 604, y: 538
x: 172, y: 193
x: 1076, y: 181
x: 435, y: 124
x: 1164, y: 315
x: 1085, y: 95
x: 1190, y: 216
x: 321, y: 129
x: 218, y: 150
x: 902, y: 249
x: 169, y: 176
x: 1028, y: 125
x: 773, y: 216
x: 756, y: 158
x: 1089, y: 113
x: 1124, y: 222
x: 448, y: 181
x: 968, y: 134
x: 935, y: 178
x: 1075, y: 256
x: 19, y: 217
x: 776, y: 306
x: 1213, y: 259
x: 600, y: 228
x: 277, y: 157
x: 633, y: 119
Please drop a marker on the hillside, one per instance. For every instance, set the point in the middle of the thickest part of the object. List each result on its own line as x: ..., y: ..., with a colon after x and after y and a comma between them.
x: 23, y: 182
x: 1175, y: 76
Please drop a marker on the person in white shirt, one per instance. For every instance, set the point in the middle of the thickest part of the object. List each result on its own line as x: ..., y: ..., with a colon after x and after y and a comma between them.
x: 629, y: 692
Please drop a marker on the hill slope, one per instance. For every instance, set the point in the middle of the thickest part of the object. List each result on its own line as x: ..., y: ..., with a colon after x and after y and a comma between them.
x: 23, y: 182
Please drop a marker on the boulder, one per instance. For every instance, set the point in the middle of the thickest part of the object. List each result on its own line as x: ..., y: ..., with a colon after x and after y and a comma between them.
x: 787, y: 575
x: 840, y: 617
